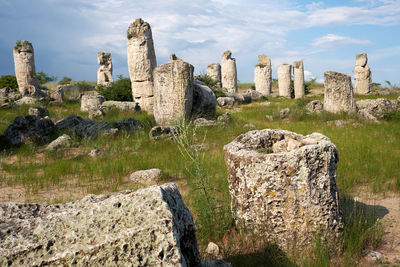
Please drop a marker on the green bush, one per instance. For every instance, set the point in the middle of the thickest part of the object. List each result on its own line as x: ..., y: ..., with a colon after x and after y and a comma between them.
x: 207, y: 80
x: 120, y: 90
x: 65, y: 80
x: 45, y: 78
x: 8, y: 81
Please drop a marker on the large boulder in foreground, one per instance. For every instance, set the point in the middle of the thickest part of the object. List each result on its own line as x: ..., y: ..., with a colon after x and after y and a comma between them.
x: 148, y: 227
x: 283, y: 186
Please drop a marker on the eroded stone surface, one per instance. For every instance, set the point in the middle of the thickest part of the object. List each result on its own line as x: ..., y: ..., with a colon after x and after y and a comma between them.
x: 141, y: 63
x: 362, y: 75
x: 38, y: 111
x: 214, y: 72
x: 229, y: 73
x: 263, y: 75
x: 89, y: 102
x: 284, y: 79
x: 298, y: 77
x: 226, y: 101
x: 173, y: 92
x: 57, y: 94
x: 204, y: 100
x: 62, y: 141
x: 104, y: 72
x: 283, y: 185
x: 86, y: 128
x: 375, y: 109
x: 315, y: 106
x: 120, y: 105
x: 338, y: 94
x: 164, y: 132
x: 148, y: 227
x: 150, y: 175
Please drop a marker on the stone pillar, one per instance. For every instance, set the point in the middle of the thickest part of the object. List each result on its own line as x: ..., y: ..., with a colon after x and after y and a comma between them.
x: 229, y: 73
x: 91, y: 102
x: 141, y: 63
x: 284, y: 79
x: 362, y: 75
x: 263, y: 75
x: 298, y: 74
x: 338, y: 94
x: 173, y: 91
x: 214, y: 72
x: 283, y: 186
x: 104, y: 72
x: 25, y: 72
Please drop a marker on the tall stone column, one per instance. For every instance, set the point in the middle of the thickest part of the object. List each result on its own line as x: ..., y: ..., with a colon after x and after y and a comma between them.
x: 141, y: 63
x: 263, y: 75
x: 173, y: 91
x: 298, y: 73
x: 229, y: 73
x: 25, y: 72
x: 338, y: 94
x: 104, y: 72
x: 214, y: 72
x: 362, y: 75
x: 284, y: 79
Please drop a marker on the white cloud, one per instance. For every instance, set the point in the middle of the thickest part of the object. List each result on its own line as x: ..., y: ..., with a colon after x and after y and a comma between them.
x: 335, y: 40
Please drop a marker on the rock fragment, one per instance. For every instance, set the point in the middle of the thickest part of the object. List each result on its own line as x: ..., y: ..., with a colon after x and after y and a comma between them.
x: 62, y: 141
x: 41, y: 112
x: 150, y: 175
x: 164, y: 132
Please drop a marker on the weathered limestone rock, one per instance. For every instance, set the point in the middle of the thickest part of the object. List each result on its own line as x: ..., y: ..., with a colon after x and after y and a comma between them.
x: 141, y: 63
x: 202, y: 122
x: 28, y: 100
x: 362, y: 75
x: 86, y: 128
x: 89, y: 102
x: 173, y: 92
x: 120, y: 105
x: 263, y: 75
x: 204, y: 100
x: 284, y: 113
x: 96, y: 113
x: 41, y: 112
x: 229, y: 73
x: 128, y: 125
x: 214, y: 72
x: 164, y: 132
x: 283, y: 186
x: 284, y: 79
x: 62, y: 141
x: 8, y: 95
x: 28, y: 129
x: 226, y: 117
x: 226, y: 101
x: 150, y: 175
x: 254, y: 95
x: 338, y: 94
x: 315, y: 106
x: 148, y: 227
x: 25, y: 72
x: 104, y: 72
x: 375, y: 109
x: 298, y: 76
x: 58, y: 94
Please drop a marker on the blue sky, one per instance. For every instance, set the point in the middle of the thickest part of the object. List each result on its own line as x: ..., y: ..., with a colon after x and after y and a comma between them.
x: 67, y: 34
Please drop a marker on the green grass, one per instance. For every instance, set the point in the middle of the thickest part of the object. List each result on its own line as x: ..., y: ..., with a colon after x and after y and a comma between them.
x: 369, y: 156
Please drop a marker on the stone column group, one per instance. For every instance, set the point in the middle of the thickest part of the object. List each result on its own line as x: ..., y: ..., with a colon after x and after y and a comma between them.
x: 285, y: 81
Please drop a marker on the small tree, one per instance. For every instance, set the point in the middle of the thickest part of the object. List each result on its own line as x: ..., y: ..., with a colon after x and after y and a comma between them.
x: 8, y: 81
x: 45, y: 78
x: 65, y: 80
x: 120, y: 90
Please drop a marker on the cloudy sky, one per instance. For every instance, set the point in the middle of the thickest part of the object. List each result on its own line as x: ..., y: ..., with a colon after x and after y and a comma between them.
x: 67, y: 34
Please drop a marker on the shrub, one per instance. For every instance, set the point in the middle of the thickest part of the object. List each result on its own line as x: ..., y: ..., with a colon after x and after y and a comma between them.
x: 85, y: 85
x: 44, y: 78
x: 207, y: 80
x: 120, y: 90
x: 65, y: 80
x: 8, y: 81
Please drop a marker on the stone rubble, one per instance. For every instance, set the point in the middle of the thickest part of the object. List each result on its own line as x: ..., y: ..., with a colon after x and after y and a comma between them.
x: 91, y: 102
x: 41, y: 112
x: 120, y: 106
x: 315, y: 106
x: 164, y: 132
x: 229, y: 73
x: 226, y: 101
x: 141, y: 62
x: 375, y: 109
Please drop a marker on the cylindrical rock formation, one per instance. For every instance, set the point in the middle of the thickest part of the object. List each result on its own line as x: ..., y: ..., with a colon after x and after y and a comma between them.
x: 298, y: 76
x: 25, y: 72
x: 214, y: 72
x: 362, y: 75
x: 104, y: 72
x: 283, y: 186
x: 229, y: 73
x: 284, y: 79
x: 338, y: 94
x: 173, y: 91
x: 263, y: 75
x: 141, y: 63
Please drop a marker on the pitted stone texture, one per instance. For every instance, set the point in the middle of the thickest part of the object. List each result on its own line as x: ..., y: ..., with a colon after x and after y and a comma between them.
x: 298, y: 76
x: 62, y: 141
x: 57, y: 94
x: 284, y: 79
x: 8, y: 94
x: 128, y: 125
x: 28, y: 100
x: 104, y: 72
x: 89, y: 102
x: 226, y: 101
x: 120, y: 105
x: 315, y: 106
x: 263, y: 75
x: 229, y: 73
x: 173, y: 92
x: 214, y: 72
x: 204, y: 100
x: 141, y: 63
x: 150, y: 175
x: 283, y: 186
x: 338, y: 94
x: 362, y: 75
x: 25, y: 72
x: 375, y: 109
x: 148, y: 227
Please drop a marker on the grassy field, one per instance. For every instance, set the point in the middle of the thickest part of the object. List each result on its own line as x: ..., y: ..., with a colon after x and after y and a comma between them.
x: 369, y: 159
